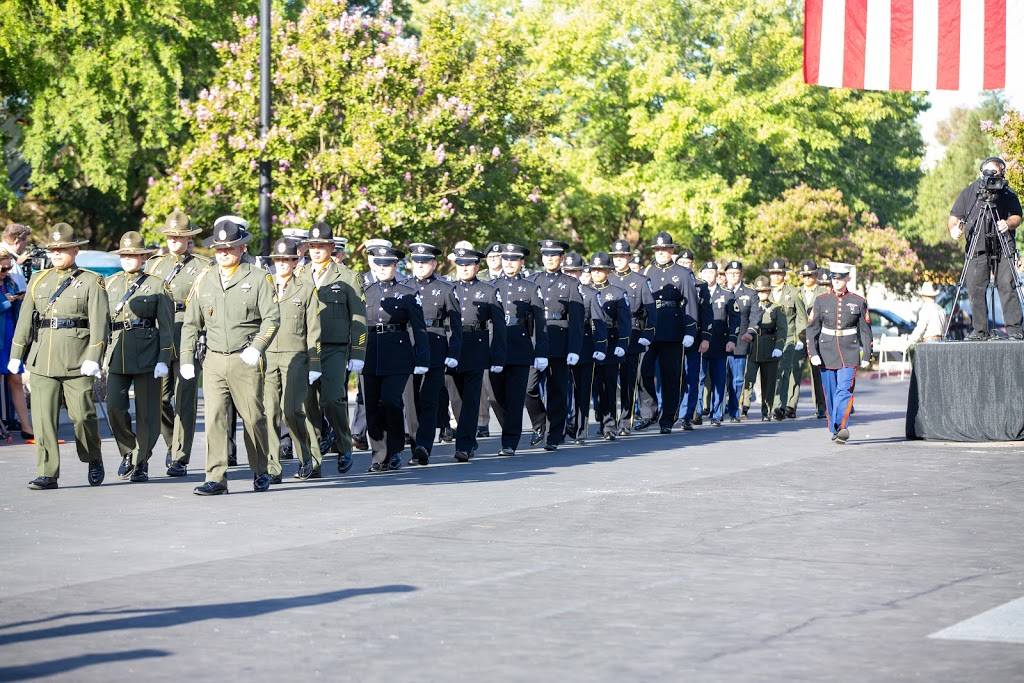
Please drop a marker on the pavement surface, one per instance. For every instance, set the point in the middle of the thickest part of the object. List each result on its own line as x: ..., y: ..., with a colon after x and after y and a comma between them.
x: 751, y: 552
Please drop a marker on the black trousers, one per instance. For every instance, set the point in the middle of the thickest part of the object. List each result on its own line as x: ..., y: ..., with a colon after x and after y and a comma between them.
x: 359, y: 418
x: 976, y: 283
x: 628, y: 388
x: 423, y: 396
x: 605, y: 377
x: 385, y: 420
x: 549, y: 419
x: 667, y: 359
x: 582, y: 385
x: 464, y: 393
x: 508, y: 396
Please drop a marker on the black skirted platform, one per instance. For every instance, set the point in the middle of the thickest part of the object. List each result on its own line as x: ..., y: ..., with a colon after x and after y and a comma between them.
x: 967, y: 391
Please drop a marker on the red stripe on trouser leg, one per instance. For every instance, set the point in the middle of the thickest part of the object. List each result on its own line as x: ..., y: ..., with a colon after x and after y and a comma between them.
x: 849, y: 403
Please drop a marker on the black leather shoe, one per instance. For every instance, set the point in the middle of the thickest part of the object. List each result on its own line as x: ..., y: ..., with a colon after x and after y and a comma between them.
x: 579, y: 442
x: 821, y: 416
x: 420, y: 456
x: 394, y: 462
x: 359, y: 443
x: 210, y: 488
x: 276, y: 479
x: 536, y: 438
x: 344, y: 463
x: 232, y: 461
x: 609, y: 436
x: 326, y: 443
x: 842, y: 436
x: 43, y: 483
x: 744, y: 411
x: 716, y: 423
x: 447, y: 435
x: 687, y: 426
x: 375, y: 468
x: 766, y: 418
x: 308, y: 471
x: 697, y: 420
x: 734, y: 419
x: 261, y: 483
x: 96, y: 473
x: 124, y: 470
x: 140, y: 474
x: 177, y: 469
x: 551, y: 446
x: 667, y: 430
x: 483, y: 432
x: 977, y: 335
x: 643, y: 424
x: 1017, y: 336
x: 624, y: 431
x: 791, y: 413
x: 462, y: 456
x: 778, y: 415
x: 506, y: 451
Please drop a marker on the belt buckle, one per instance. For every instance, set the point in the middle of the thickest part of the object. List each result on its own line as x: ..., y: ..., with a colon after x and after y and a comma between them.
x: 126, y: 325
x: 53, y: 323
x: 379, y: 327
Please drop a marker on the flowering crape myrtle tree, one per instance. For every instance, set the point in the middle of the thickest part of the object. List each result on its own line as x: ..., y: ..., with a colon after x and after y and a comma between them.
x: 374, y: 130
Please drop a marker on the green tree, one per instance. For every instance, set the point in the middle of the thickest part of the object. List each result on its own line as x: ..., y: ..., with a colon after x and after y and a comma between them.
x: 1009, y: 135
x: 375, y: 131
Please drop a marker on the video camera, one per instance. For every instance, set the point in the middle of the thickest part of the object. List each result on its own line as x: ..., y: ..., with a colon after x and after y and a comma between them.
x: 992, y: 181
x: 38, y: 259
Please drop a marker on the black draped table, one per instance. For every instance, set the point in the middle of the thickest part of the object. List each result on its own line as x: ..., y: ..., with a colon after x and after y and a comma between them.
x: 967, y: 391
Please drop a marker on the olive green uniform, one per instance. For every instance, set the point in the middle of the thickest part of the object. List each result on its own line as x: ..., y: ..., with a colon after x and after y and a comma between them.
x: 772, y: 334
x: 55, y: 360
x: 788, y: 299
x: 291, y: 356
x: 141, y: 335
x: 178, y: 396
x: 235, y: 313
x: 342, y: 310
x: 807, y: 297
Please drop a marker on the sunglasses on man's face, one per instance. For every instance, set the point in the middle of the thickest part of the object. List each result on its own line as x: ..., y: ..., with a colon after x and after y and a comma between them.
x: 6, y: 269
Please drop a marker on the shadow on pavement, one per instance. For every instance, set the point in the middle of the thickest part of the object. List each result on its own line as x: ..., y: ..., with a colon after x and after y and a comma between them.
x: 164, y: 617
x: 53, y: 667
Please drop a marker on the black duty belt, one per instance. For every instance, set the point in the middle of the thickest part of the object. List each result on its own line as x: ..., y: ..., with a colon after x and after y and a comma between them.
x: 388, y: 327
x: 62, y: 323
x: 662, y: 303
x: 178, y: 308
x: 141, y: 323
x: 435, y: 322
x: 474, y: 327
x: 554, y: 316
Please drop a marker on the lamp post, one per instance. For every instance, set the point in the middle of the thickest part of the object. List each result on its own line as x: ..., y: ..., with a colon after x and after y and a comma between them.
x: 265, y: 212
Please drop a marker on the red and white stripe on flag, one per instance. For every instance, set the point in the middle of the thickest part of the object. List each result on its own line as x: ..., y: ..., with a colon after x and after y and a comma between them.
x: 914, y: 44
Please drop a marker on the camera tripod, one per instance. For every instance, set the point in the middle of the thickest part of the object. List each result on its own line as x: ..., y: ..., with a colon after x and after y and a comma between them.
x: 999, y: 245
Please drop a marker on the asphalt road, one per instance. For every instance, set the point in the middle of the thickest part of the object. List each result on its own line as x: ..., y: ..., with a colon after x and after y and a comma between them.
x: 752, y: 552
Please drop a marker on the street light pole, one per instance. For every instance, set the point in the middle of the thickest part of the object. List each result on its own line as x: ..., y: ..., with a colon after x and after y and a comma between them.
x: 265, y: 212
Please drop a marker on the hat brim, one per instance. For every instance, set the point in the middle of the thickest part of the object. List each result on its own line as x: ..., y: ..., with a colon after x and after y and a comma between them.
x: 213, y: 243
x: 66, y: 245
x: 134, y: 251
x: 180, y: 233
x: 319, y: 240
x: 465, y: 260
x: 777, y: 270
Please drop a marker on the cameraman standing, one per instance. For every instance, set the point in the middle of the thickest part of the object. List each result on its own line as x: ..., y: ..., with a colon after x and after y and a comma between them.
x: 987, y: 251
x: 15, y: 242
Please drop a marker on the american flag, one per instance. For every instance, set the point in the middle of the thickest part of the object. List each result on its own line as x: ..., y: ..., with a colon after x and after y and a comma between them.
x: 968, y: 45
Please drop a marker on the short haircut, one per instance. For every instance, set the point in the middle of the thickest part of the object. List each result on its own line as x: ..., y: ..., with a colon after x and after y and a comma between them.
x: 16, y: 231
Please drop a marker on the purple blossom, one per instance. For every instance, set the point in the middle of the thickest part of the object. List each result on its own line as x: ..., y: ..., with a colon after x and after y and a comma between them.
x: 283, y: 165
x: 987, y: 126
x: 408, y: 177
x: 495, y: 153
x: 439, y: 154
x: 252, y: 21
x: 534, y: 196
x: 362, y: 190
x: 150, y: 181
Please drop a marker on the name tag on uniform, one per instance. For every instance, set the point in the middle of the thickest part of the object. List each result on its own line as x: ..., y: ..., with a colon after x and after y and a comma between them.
x: 336, y: 287
x: 246, y: 286
x: 297, y: 301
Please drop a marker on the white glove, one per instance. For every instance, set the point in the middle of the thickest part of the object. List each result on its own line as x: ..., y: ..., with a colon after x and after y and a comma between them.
x: 619, y: 352
x: 776, y: 353
x: 496, y: 369
x: 420, y: 370
x: 598, y: 356
x: 815, y: 360
x: 687, y: 341
x: 572, y: 359
x: 187, y: 371
x: 355, y: 366
x: 452, y: 363
x: 160, y: 370
x: 799, y: 346
x: 540, y: 364
x: 314, y: 376
x: 14, y: 367
x: 250, y: 356
x: 865, y: 363
x: 643, y: 341
x: 90, y: 367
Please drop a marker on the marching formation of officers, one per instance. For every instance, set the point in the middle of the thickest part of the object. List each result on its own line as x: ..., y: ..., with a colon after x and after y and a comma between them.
x: 659, y: 346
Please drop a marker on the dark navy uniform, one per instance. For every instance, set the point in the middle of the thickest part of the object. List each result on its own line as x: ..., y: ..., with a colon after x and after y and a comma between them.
x: 613, y: 306
x: 443, y: 319
x: 675, y: 300
x: 689, y: 407
x: 839, y: 333
x: 563, y: 311
x: 392, y: 311
x: 721, y: 328
x: 642, y: 312
x: 483, y: 347
x: 595, y: 344
x: 736, y: 362
x: 527, y: 341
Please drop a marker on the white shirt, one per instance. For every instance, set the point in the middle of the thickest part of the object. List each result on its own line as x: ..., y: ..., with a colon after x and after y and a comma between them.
x: 931, y: 322
x: 16, y: 275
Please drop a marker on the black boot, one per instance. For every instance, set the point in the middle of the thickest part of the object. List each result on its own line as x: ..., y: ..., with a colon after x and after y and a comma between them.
x: 96, y: 473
